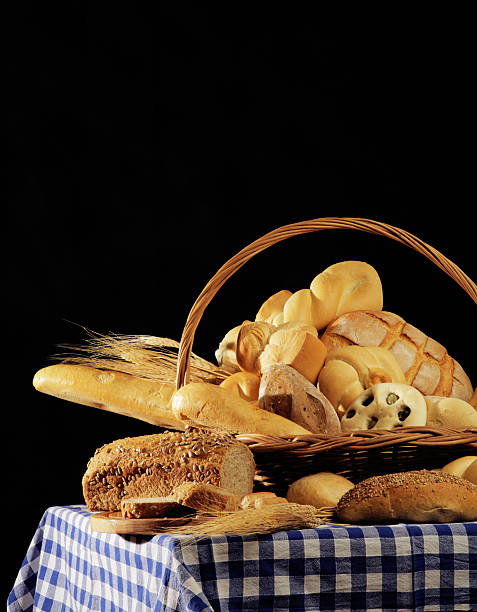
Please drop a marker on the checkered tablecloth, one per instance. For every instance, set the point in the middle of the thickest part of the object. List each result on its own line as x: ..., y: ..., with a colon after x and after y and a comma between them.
x: 398, y: 567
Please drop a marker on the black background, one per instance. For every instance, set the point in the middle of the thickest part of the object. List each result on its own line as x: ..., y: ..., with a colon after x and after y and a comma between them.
x: 149, y: 146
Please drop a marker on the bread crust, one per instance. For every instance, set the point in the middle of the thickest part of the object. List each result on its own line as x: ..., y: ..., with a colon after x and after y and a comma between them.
x: 425, y: 363
x: 146, y: 400
x: 213, y: 406
x: 154, y: 465
x: 418, y: 496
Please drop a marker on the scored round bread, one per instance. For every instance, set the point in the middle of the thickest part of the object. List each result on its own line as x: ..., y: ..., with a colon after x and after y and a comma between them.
x: 418, y: 496
x: 426, y: 363
x: 154, y: 465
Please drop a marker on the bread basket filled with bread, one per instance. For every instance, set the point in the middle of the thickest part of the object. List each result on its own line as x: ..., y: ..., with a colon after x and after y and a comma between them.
x: 321, y: 380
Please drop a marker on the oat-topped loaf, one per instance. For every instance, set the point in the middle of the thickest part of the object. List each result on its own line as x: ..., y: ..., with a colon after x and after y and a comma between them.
x: 154, y: 465
x: 418, y: 496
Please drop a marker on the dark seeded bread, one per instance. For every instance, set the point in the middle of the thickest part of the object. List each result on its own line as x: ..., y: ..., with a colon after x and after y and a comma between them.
x: 155, y: 465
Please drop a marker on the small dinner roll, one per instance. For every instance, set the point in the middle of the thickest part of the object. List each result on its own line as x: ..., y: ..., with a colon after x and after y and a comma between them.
x: 321, y: 490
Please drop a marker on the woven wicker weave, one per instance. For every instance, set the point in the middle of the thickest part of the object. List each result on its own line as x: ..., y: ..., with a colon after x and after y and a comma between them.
x: 359, y: 454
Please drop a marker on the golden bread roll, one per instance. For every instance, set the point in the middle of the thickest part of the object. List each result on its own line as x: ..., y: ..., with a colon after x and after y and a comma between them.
x: 321, y: 490
x: 450, y: 412
x: 458, y: 467
x: 225, y: 354
x: 260, y: 344
x: 260, y: 499
x: 419, y: 496
x: 471, y: 473
x: 286, y: 392
x: 155, y: 465
x: 350, y: 370
x: 343, y: 287
x: 425, y: 363
x: 147, y: 400
x: 271, y: 311
x: 209, y: 405
x: 243, y: 384
x: 473, y: 399
x: 384, y: 406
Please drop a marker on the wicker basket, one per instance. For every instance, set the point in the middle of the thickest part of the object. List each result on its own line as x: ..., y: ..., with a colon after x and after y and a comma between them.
x: 359, y: 454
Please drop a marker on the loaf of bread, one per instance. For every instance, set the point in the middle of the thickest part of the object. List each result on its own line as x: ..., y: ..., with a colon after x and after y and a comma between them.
x: 209, y: 405
x: 350, y: 370
x: 321, y: 490
x: 260, y: 344
x: 147, y: 400
x: 155, y: 465
x: 286, y: 392
x: 450, y: 412
x: 425, y: 363
x: 419, y: 496
x: 384, y: 406
x: 260, y: 499
x: 465, y: 467
x: 343, y: 287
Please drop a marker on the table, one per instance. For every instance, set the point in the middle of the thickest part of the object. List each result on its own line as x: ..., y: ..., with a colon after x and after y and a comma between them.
x: 389, y: 567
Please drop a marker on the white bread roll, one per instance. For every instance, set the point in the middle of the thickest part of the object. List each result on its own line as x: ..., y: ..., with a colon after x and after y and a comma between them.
x: 209, y: 405
x: 155, y: 465
x: 260, y: 344
x: 244, y: 384
x: 384, y: 406
x: 271, y: 311
x: 419, y: 496
x: 321, y: 490
x: 260, y: 499
x: 286, y: 392
x: 343, y: 287
x: 142, y: 399
x: 350, y: 370
x: 461, y: 467
x: 471, y: 473
x: 450, y: 412
x: 225, y: 353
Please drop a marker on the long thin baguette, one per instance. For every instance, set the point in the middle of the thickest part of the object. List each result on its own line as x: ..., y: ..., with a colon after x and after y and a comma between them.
x: 142, y: 399
x: 209, y: 405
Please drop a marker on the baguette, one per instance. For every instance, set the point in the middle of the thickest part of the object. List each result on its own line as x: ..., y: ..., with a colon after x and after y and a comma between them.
x: 425, y: 363
x: 142, y: 399
x: 419, y: 496
x: 155, y: 465
x: 209, y: 405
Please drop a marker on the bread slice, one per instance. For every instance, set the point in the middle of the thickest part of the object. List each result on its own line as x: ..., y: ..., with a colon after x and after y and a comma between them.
x: 156, y: 464
x: 206, y: 497
x: 152, y: 507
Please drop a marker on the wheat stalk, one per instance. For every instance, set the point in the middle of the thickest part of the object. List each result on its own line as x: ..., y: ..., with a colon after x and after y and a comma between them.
x: 143, y: 356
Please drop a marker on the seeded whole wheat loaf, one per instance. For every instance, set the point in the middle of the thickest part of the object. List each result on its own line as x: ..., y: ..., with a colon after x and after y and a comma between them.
x: 154, y: 465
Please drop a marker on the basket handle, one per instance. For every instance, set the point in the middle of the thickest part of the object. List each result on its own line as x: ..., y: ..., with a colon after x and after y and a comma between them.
x: 295, y: 229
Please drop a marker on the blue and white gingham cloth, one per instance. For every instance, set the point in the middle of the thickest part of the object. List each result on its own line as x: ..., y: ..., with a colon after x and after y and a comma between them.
x: 398, y: 567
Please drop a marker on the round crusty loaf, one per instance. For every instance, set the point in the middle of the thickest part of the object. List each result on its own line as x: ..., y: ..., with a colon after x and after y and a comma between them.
x: 426, y: 363
x: 321, y: 490
x: 154, y: 465
x: 418, y: 496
